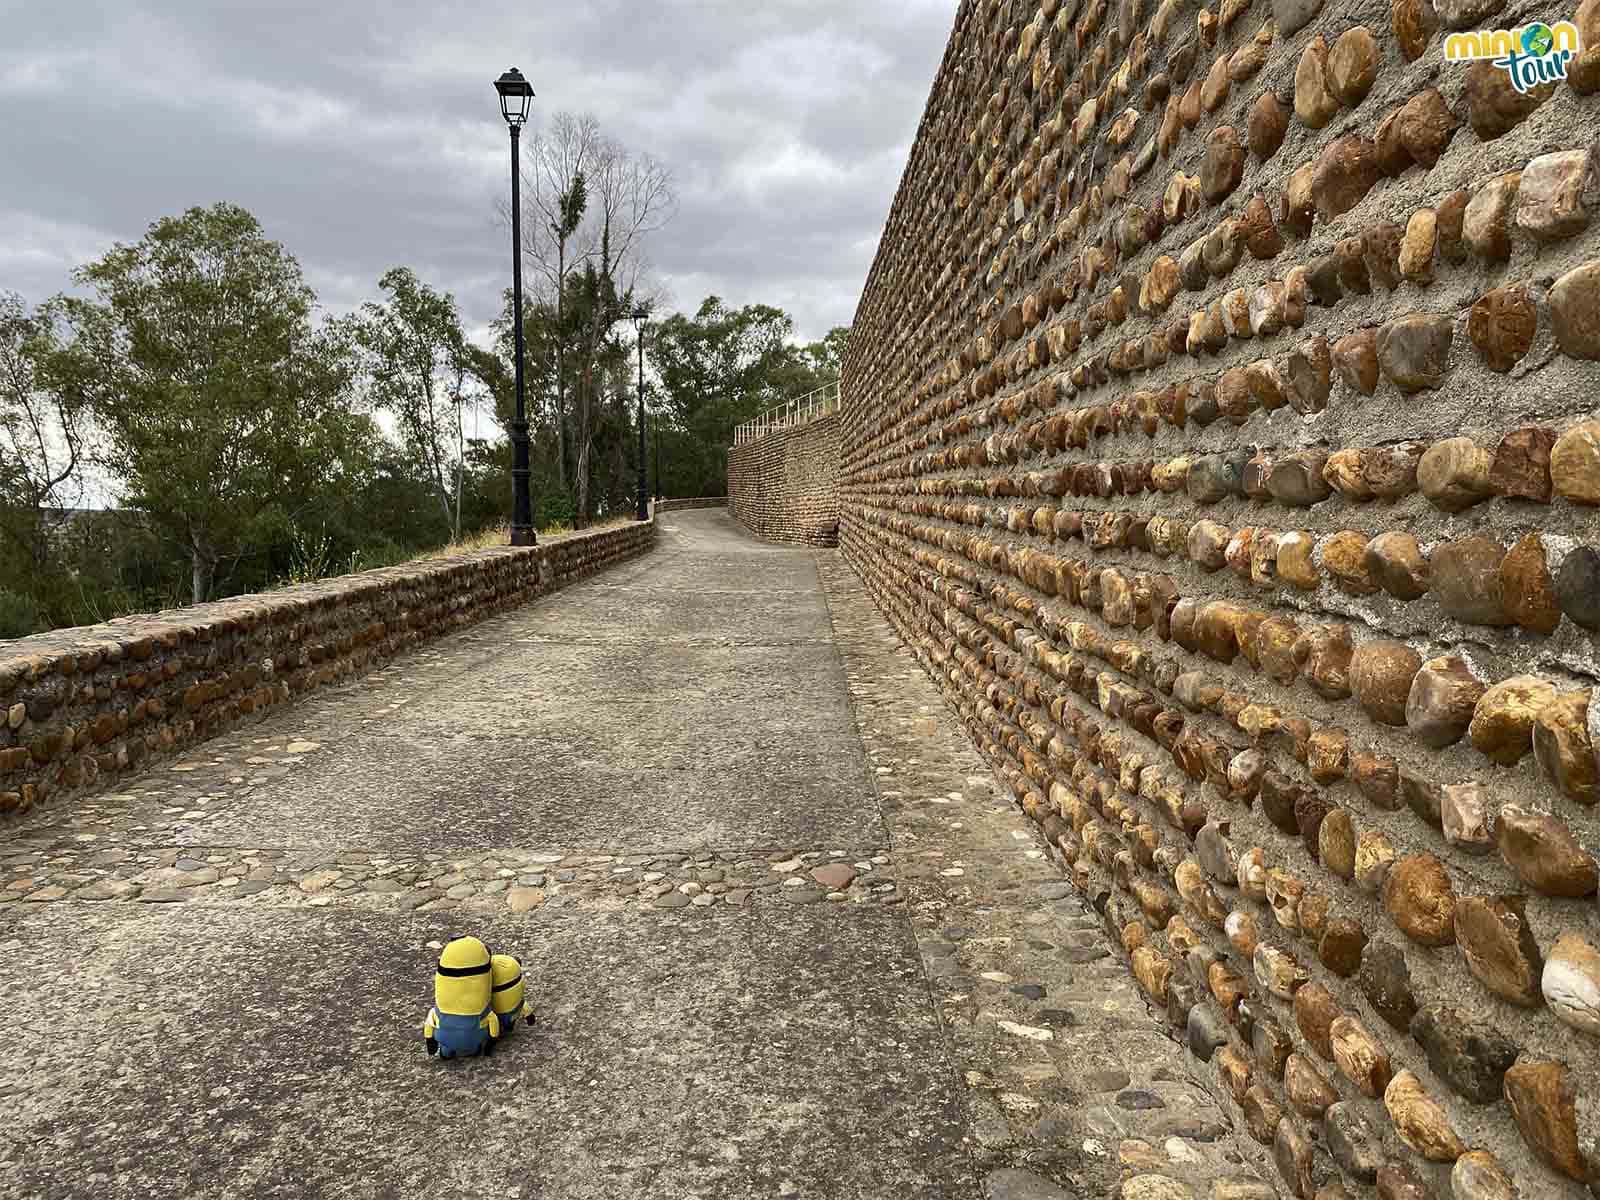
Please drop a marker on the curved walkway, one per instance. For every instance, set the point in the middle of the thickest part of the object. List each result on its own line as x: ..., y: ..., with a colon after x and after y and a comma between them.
x: 783, y: 937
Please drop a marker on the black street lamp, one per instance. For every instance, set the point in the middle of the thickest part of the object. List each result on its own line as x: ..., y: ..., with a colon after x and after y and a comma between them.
x: 640, y: 316
x: 516, y: 95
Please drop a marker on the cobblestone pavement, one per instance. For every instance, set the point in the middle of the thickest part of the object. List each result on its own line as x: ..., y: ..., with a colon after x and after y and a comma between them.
x: 1068, y: 1076
x: 784, y: 938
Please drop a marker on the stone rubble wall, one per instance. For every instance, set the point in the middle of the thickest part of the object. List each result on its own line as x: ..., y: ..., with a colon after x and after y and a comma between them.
x: 81, y: 707
x: 784, y: 487
x: 697, y: 502
x: 1220, y: 431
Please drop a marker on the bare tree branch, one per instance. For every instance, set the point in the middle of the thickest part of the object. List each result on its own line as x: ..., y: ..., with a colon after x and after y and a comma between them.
x: 601, y: 244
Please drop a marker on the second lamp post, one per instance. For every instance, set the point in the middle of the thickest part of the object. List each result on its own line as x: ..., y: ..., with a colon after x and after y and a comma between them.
x: 640, y: 316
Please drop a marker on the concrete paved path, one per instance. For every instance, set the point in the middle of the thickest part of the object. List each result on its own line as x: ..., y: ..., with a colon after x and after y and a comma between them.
x: 745, y: 945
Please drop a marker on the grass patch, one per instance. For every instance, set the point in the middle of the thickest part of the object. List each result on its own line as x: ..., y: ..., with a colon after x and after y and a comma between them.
x: 561, y: 529
x: 484, y: 539
x: 500, y: 535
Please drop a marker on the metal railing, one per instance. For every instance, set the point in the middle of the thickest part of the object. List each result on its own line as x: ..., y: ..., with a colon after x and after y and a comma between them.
x: 798, y: 411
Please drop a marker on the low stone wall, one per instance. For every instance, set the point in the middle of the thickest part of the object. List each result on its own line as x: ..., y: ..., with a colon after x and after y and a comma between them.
x: 785, y: 487
x: 79, y: 707
x: 697, y: 502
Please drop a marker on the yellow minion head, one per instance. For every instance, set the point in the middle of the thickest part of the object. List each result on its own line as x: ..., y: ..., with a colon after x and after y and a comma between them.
x: 508, y: 989
x: 462, y: 985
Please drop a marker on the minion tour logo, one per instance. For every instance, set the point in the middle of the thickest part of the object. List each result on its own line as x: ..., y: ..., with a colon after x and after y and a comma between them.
x: 1532, y: 55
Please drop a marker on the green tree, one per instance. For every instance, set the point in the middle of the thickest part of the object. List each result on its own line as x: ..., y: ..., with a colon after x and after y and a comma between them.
x: 718, y: 369
x: 420, y: 370
x: 42, y: 438
x: 222, y: 404
x: 825, y: 359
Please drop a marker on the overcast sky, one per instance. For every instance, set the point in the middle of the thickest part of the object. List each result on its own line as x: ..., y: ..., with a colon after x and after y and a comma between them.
x: 366, y: 135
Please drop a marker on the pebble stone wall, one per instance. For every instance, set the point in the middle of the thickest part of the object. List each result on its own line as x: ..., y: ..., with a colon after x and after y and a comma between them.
x: 1220, y: 431
x: 79, y: 707
x: 784, y: 487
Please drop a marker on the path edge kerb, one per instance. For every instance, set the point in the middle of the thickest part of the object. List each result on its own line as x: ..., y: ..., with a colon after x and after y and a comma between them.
x: 81, y: 707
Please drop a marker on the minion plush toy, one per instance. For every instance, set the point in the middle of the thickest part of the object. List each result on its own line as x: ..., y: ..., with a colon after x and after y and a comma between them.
x: 509, y: 1001
x: 462, y: 1021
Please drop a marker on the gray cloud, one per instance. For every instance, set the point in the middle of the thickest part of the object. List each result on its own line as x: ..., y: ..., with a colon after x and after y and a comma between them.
x: 365, y: 135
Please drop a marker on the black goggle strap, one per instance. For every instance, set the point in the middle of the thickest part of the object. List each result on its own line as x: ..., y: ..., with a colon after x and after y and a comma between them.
x: 510, y: 983
x: 461, y: 972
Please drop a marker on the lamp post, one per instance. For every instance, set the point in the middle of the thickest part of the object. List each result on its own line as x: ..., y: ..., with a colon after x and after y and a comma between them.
x: 640, y: 316
x: 516, y: 95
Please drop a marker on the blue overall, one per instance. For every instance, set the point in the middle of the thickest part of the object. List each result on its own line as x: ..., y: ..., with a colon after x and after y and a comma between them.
x: 462, y: 1037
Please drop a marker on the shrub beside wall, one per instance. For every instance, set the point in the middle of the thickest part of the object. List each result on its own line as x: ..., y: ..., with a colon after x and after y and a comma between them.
x: 784, y: 487
x: 1220, y: 431
x: 79, y: 707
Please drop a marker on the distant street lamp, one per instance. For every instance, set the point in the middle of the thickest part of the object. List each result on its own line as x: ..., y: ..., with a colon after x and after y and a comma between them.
x: 516, y: 95
x: 640, y: 316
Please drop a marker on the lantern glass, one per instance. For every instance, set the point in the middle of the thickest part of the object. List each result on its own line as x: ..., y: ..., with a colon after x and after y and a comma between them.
x: 516, y: 96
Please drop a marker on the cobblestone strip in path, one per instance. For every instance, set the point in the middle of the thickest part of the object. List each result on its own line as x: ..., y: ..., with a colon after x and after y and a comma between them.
x: 516, y: 879
x: 149, y: 844
x: 1068, y: 1076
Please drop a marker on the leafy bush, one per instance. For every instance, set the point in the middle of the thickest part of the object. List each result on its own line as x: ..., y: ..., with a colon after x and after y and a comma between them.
x: 555, y: 508
x: 18, y: 616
